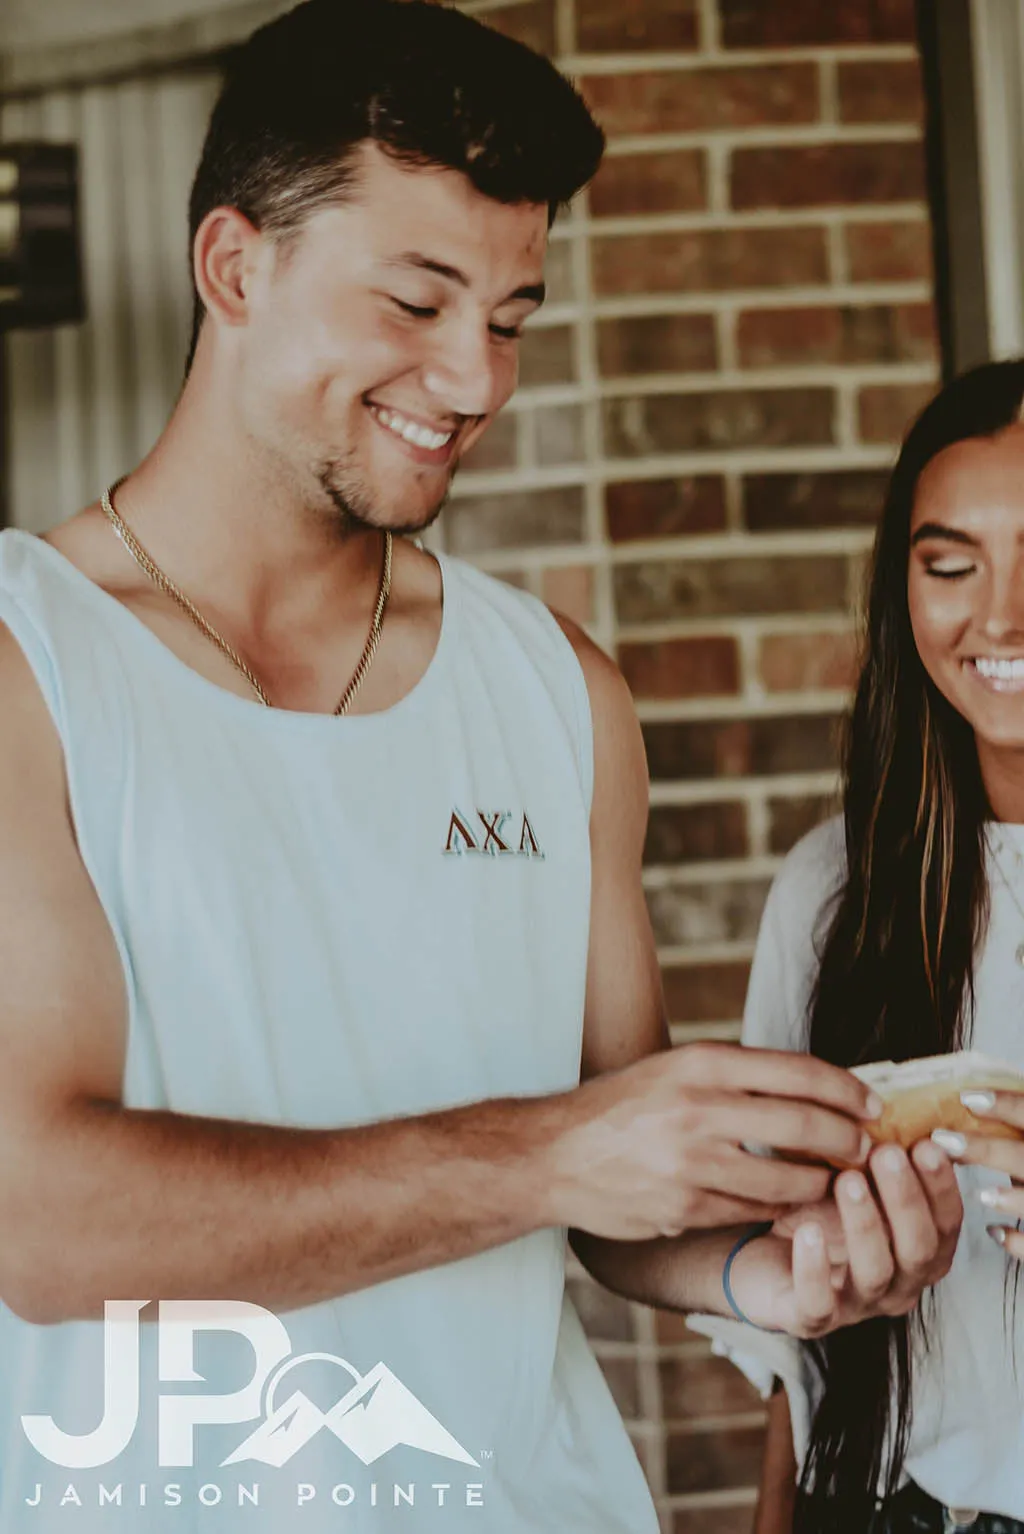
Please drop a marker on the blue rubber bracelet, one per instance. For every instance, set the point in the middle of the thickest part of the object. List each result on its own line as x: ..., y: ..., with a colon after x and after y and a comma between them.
x: 747, y: 1236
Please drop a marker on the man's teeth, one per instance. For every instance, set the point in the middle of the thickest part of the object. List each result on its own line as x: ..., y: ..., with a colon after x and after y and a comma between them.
x: 1000, y: 670
x: 420, y: 436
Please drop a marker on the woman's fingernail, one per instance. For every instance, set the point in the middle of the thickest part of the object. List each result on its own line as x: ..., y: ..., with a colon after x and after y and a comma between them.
x: 873, y: 1106
x: 930, y: 1157
x: 949, y: 1141
x: 978, y: 1102
x: 998, y: 1234
x: 811, y: 1236
x: 866, y: 1144
x: 855, y: 1188
x: 992, y: 1198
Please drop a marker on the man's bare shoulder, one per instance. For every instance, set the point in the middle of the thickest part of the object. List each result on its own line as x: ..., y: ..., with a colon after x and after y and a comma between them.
x: 609, y: 692
x: 620, y: 761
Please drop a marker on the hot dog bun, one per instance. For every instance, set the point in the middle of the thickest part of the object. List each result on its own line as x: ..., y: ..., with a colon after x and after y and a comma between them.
x: 922, y: 1095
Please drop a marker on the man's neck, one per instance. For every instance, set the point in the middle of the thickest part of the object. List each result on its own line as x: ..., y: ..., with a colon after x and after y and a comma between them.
x: 219, y: 515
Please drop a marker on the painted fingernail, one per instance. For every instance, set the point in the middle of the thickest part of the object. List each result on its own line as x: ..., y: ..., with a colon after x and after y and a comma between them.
x: 855, y: 1188
x: 811, y: 1236
x: 992, y: 1198
x: 978, y: 1102
x: 930, y: 1157
x: 998, y: 1234
x: 947, y: 1140
x: 873, y: 1106
x: 892, y: 1158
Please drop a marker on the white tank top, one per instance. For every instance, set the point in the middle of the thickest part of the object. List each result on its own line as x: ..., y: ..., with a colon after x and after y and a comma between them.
x: 326, y: 922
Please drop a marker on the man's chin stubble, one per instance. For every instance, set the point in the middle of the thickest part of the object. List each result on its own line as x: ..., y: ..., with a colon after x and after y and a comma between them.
x: 356, y: 511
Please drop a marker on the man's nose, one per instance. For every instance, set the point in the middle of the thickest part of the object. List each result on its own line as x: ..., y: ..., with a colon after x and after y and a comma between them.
x: 464, y: 375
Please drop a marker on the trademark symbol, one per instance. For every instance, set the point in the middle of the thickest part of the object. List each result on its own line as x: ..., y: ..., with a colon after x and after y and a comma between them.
x: 486, y: 1453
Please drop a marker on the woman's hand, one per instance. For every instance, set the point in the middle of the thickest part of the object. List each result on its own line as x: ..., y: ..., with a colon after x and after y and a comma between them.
x: 1002, y: 1155
x: 871, y: 1253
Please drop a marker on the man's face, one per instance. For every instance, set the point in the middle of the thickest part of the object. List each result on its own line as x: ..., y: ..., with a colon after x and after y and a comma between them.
x: 380, y: 345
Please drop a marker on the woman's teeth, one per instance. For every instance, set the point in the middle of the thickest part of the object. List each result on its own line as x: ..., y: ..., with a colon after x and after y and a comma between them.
x: 999, y: 670
x: 411, y: 431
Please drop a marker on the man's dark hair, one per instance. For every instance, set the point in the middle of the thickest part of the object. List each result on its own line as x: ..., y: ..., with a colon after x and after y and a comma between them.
x: 428, y: 84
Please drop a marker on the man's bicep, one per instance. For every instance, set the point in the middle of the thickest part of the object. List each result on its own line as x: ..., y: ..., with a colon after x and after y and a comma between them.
x: 62, y: 1008
x: 625, y: 1015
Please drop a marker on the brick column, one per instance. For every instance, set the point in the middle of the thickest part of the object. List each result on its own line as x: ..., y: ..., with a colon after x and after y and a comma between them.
x: 740, y: 326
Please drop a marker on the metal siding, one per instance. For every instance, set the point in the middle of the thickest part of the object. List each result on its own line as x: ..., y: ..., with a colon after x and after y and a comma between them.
x: 88, y: 401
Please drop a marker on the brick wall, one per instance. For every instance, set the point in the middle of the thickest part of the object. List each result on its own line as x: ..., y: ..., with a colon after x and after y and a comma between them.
x: 739, y: 327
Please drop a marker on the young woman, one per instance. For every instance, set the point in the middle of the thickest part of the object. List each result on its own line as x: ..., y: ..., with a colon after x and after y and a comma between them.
x: 897, y: 931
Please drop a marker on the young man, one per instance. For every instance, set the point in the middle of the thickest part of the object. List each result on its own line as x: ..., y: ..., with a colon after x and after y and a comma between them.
x: 320, y: 887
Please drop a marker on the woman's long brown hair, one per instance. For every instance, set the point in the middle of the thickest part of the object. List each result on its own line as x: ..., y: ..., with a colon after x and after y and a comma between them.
x: 897, y: 959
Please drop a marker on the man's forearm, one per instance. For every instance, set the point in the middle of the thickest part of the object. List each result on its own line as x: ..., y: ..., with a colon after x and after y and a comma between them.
x: 114, y: 1202
x: 673, y: 1273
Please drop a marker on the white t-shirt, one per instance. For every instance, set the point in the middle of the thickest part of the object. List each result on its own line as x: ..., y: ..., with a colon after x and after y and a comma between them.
x: 967, y: 1438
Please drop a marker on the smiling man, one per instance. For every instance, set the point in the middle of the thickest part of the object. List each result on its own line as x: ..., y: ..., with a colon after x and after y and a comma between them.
x: 320, y: 886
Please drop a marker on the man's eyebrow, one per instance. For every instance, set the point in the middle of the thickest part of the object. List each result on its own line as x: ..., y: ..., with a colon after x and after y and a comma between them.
x: 535, y: 292
x: 948, y: 534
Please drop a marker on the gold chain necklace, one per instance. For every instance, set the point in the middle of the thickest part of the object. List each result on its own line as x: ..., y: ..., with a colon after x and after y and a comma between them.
x: 150, y: 567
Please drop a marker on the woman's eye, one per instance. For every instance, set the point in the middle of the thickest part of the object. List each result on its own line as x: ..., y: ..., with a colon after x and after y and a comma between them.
x: 506, y: 332
x: 948, y: 571
x: 418, y: 311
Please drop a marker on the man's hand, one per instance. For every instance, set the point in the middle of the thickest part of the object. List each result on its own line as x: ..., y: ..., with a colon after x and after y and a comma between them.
x: 862, y: 1254
x: 658, y: 1147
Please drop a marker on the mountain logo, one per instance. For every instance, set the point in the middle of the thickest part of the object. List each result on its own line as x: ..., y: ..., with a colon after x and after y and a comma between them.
x: 376, y: 1414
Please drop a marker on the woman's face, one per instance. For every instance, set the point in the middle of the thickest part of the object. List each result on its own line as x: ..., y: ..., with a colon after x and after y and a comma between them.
x: 965, y: 584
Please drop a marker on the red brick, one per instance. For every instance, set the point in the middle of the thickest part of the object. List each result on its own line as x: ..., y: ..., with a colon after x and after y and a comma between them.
x: 691, y: 100
x: 682, y: 668
x: 569, y: 589
x: 664, y: 508
x: 670, y: 1327
x: 811, y: 175
x: 717, y: 420
x: 705, y: 993
x: 627, y: 24
x: 605, y: 1316
x: 704, y: 1387
x: 791, y: 818
x: 546, y: 355
x: 796, y: 662
x: 880, y: 91
x: 674, y: 181
x: 477, y: 523
x: 657, y: 343
x: 621, y: 1376
x: 690, y: 750
x: 886, y: 410
x: 884, y: 251
x: 848, y: 334
x: 709, y: 260
x: 496, y: 449
x: 714, y: 1461
x: 696, y: 833
x: 719, y: 1519
x: 756, y: 24
x: 660, y: 590
x: 830, y: 498
x: 532, y: 23
x: 558, y: 434
x: 558, y: 272
x: 719, y: 911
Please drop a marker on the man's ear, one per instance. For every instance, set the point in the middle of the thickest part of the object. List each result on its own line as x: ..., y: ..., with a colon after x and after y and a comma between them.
x: 224, y: 256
